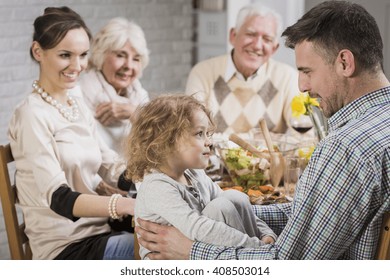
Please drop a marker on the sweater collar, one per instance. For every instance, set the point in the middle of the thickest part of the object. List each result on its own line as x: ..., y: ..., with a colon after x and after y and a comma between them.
x: 231, y: 70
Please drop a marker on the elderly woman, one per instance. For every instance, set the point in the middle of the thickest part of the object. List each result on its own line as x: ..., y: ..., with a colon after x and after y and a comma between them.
x: 111, y: 85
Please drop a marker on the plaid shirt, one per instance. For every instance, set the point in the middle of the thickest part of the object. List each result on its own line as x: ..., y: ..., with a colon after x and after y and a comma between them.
x: 341, y: 196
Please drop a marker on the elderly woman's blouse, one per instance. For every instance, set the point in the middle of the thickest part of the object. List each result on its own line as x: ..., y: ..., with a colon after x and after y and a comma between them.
x: 97, y: 90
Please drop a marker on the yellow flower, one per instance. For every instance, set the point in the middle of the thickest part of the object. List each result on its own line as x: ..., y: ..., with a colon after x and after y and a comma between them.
x: 306, y: 152
x: 312, y: 101
x: 300, y: 105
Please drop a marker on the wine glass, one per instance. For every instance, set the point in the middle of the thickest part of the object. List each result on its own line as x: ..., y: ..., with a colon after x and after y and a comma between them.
x: 301, y: 124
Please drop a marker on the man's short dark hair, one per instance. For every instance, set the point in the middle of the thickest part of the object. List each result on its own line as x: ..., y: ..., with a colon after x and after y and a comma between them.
x: 335, y: 25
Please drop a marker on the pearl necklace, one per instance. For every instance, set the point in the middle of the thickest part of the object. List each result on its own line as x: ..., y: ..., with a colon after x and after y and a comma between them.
x: 70, y: 113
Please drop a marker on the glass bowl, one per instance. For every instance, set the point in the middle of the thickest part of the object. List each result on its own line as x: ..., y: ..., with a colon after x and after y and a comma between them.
x: 245, y: 170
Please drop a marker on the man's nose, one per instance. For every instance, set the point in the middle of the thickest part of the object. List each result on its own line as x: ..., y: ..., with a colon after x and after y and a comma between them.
x: 259, y: 42
x: 303, y: 84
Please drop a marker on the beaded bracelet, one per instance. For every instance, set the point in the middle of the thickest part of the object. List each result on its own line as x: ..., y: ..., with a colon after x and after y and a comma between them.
x: 112, y: 206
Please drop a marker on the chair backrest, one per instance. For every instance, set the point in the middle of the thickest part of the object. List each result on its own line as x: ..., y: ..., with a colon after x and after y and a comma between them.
x: 383, y: 251
x: 17, y: 239
x: 136, y: 244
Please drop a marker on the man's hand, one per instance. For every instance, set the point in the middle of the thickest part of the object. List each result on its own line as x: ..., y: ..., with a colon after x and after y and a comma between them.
x: 164, y: 242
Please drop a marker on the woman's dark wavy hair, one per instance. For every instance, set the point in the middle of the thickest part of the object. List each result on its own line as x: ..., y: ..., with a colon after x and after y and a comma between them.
x: 335, y: 25
x: 51, y: 27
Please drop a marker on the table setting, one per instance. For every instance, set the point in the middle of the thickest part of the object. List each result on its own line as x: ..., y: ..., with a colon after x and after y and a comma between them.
x: 267, y: 173
x: 265, y: 165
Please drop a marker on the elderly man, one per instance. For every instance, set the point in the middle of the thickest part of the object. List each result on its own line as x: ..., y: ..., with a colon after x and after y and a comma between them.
x: 246, y: 85
x: 343, y: 193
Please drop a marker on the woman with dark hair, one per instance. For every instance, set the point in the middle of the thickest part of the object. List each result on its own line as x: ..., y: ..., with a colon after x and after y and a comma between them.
x: 59, y: 157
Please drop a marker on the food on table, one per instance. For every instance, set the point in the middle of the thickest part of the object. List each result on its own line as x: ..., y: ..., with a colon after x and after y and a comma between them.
x: 245, y: 169
x: 262, y: 195
x: 266, y: 188
x: 254, y: 193
x: 249, y: 173
x: 237, y: 188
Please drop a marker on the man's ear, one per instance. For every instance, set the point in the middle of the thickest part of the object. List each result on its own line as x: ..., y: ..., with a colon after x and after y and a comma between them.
x: 36, y: 51
x: 232, y: 36
x: 275, y: 48
x: 345, y: 62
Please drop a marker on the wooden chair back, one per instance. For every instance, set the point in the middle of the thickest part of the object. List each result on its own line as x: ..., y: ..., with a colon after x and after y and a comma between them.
x: 17, y: 239
x: 383, y: 251
x: 136, y: 244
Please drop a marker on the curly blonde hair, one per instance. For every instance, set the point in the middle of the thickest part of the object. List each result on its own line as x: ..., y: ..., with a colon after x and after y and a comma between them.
x: 159, y: 125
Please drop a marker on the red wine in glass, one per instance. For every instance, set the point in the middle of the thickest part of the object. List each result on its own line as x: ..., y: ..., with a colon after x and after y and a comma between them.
x: 302, y: 129
x: 301, y: 124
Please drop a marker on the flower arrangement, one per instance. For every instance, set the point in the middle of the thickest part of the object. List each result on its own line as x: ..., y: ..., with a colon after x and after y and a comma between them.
x: 303, y: 104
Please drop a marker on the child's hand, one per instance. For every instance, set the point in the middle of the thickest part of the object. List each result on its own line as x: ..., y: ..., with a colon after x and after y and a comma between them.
x: 268, y: 239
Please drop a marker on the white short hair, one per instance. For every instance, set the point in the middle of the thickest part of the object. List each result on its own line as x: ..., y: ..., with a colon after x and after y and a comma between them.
x: 114, y: 36
x: 259, y: 10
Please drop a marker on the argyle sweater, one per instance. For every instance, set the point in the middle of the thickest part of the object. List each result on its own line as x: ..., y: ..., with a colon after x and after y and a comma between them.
x: 238, y: 105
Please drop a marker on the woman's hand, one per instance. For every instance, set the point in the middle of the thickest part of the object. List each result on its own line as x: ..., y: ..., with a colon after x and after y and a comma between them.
x: 164, y: 242
x: 111, y: 113
x: 105, y: 189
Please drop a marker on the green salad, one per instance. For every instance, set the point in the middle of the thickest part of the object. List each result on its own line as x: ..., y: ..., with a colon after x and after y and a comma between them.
x: 245, y: 169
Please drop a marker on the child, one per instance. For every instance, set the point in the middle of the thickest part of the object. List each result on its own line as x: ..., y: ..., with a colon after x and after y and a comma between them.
x: 168, y: 149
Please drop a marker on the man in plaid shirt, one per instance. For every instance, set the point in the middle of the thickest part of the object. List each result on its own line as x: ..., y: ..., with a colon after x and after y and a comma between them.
x: 344, y: 191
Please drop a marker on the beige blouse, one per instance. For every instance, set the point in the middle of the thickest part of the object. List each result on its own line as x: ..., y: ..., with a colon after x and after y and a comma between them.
x: 49, y: 151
